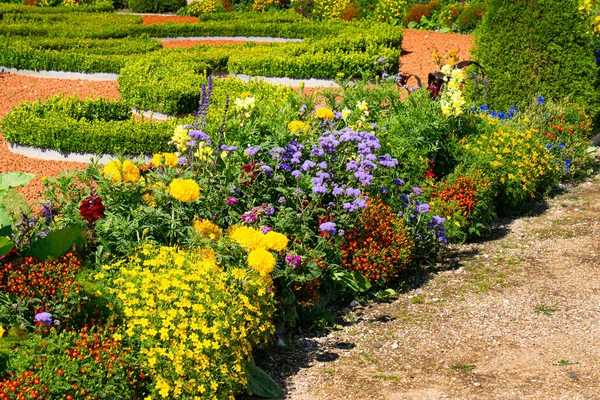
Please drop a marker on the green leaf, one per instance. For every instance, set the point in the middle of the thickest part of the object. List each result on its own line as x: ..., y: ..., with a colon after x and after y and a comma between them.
x: 6, y: 245
x: 362, y: 281
x: 5, y: 228
x: 14, y: 179
x: 591, y: 149
x: 413, y: 24
x: 354, y: 281
x: 261, y: 384
x: 57, y: 243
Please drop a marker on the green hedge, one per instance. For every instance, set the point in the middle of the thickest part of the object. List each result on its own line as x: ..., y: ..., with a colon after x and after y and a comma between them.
x: 531, y: 47
x: 155, y: 6
x: 85, y: 126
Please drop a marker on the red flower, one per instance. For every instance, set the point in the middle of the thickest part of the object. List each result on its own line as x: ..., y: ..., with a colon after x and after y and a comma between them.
x: 429, y: 174
x: 248, y: 172
x: 91, y: 208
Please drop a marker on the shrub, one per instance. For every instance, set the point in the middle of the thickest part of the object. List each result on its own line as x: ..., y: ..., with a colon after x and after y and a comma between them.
x: 202, y: 7
x: 155, y: 6
x: 351, y: 13
x: 379, y: 245
x: 84, y: 126
x: 389, y: 10
x: 418, y: 11
x: 194, y: 318
x: 330, y: 9
x: 470, y: 17
x: 550, y: 54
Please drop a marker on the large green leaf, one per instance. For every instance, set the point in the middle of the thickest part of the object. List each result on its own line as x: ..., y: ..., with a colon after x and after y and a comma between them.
x: 354, y: 281
x: 6, y: 245
x: 57, y: 243
x: 261, y: 384
x: 14, y: 179
x: 5, y: 228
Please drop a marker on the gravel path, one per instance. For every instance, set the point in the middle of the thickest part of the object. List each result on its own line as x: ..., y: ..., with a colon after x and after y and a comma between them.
x: 512, y: 318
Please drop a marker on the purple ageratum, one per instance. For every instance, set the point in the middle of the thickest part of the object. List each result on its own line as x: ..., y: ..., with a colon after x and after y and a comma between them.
x: 381, y: 59
x: 353, y: 192
x: 266, y: 229
x: 322, y: 165
x: 302, y: 109
x: 297, y: 174
x: 182, y: 161
x: 398, y: 182
x: 195, y: 134
x: 417, y: 191
x: 250, y: 151
x: 293, y: 260
x: 328, y: 227
x: 224, y: 147
x: 307, y: 165
x: 267, y: 170
x: 387, y: 161
x: 268, y: 210
x: 281, y: 200
x: 319, y: 189
x: 423, y: 208
x: 337, y: 191
x: 317, y: 151
x: 285, y: 167
x: 44, y: 317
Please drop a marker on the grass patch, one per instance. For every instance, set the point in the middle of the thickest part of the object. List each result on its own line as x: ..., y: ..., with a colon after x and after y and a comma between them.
x: 392, y: 378
x: 460, y: 367
x: 546, y: 310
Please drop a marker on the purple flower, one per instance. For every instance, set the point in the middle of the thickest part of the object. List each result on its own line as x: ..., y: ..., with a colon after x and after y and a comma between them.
x: 381, y: 59
x: 541, y: 100
x: 266, y: 229
x: 337, y: 191
x: 435, y: 220
x: 281, y: 200
x: 337, y: 114
x: 250, y: 151
x: 353, y: 192
x: 360, y: 203
x: 317, y: 151
x: 268, y: 210
x: 44, y: 317
x: 303, y: 108
x: 331, y: 204
x: 423, y: 208
x: 285, y: 167
x: 383, y: 190
x: 398, y: 182
x: 199, y: 135
x: 182, y: 161
x: 224, y: 147
x: 248, y: 217
x: 293, y: 260
x: 297, y: 174
x: 417, y: 191
x: 328, y: 227
x: 387, y: 161
x: 231, y: 201
x: 307, y: 165
x: 267, y: 170
x: 319, y: 189
x: 322, y: 165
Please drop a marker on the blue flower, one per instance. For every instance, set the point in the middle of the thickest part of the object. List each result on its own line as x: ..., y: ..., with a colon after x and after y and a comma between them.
x: 484, y: 108
x: 567, y: 165
x: 561, y: 145
x: 541, y: 100
x: 423, y: 208
x: 398, y: 182
x: 328, y: 227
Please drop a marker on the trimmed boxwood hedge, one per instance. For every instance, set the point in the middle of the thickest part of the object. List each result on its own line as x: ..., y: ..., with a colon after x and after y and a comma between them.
x: 94, y: 126
x: 155, y: 6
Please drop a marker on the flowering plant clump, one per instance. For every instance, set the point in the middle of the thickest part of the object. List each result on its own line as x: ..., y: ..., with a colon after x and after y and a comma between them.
x: 121, y: 171
x: 518, y: 164
x: 450, y: 13
x: 465, y: 201
x: 91, y: 363
x: 330, y: 9
x: 452, y: 100
x: 195, y: 321
x: 165, y: 160
x: 207, y: 229
x: 389, y: 10
x: 379, y: 245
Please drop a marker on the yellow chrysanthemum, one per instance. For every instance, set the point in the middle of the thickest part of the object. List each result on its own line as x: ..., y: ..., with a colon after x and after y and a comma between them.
x: 185, y: 190
x: 207, y: 228
x: 276, y: 241
x: 324, y: 113
x: 167, y: 159
x: 261, y: 261
x: 298, y: 126
x: 118, y: 171
x: 248, y: 238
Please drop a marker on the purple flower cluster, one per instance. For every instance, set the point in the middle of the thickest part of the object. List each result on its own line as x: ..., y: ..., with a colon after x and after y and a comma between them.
x: 436, y: 226
x: 253, y: 215
x: 293, y: 260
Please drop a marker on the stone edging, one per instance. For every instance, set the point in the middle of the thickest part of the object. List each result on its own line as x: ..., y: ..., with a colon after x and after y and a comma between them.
x: 53, y: 155
x: 257, y: 39
x: 93, y: 76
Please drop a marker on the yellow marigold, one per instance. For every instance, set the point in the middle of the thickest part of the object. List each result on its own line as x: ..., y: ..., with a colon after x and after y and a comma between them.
x: 261, y: 261
x: 296, y: 126
x: 118, y: 171
x: 207, y: 228
x: 185, y: 190
x: 248, y: 238
x: 275, y: 241
x: 167, y: 159
x: 324, y: 113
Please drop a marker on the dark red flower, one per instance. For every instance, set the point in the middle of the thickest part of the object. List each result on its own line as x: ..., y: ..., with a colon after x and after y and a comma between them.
x: 91, y: 208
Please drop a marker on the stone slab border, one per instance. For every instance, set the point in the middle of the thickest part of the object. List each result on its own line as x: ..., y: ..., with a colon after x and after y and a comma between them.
x: 93, y: 76
x: 257, y: 39
x: 53, y: 155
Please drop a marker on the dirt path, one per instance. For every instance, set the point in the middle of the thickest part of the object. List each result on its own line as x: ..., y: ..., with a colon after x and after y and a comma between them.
x: 517, y: 317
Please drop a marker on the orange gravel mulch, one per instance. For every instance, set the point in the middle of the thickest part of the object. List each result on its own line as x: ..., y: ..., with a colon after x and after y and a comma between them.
x: 192, y: 43
x: 161, y: 19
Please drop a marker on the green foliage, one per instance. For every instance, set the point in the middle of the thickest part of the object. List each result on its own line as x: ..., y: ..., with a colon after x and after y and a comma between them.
x: 261, y: 384
x: 57, y: 243
x: 155, y: 6
x: 85, y: 126
x: 532, y: 47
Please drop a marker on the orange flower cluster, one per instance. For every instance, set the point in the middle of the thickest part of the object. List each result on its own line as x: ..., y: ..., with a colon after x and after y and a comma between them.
x: 307, y: 293
x: 26, y: 386
x: 380, y: 244
x: 462, y: 193
x: 28, y: 277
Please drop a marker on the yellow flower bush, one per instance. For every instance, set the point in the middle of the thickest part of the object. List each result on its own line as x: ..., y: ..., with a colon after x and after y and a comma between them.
x: 330, y: 9
x: 207, y: 229
x: 166, y: 159
x: 203, y: 7
x: 452, y: 99
x: 324, y: 113
x: 262, y: 5
x: 298, y: 126
x: 194, y: 320
x: 185, y: 190
x: 387, y: 10
x: 515, y: 160
x: 118, y: 171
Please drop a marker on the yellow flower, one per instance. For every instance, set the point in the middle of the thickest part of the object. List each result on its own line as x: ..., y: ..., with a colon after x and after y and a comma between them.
x: 275, y: 241
x: 324, y: 113
x: 180, y: 138
x: 261, y: 261
x: 166, y: 159
x: 118, y: 171
x: 185, y: 190
x: 298, y: 126
x: 206, y: 228
x: 1, y: 331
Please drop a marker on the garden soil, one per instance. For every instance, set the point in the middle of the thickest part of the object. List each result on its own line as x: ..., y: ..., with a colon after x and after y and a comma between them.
x: 515, y: 317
